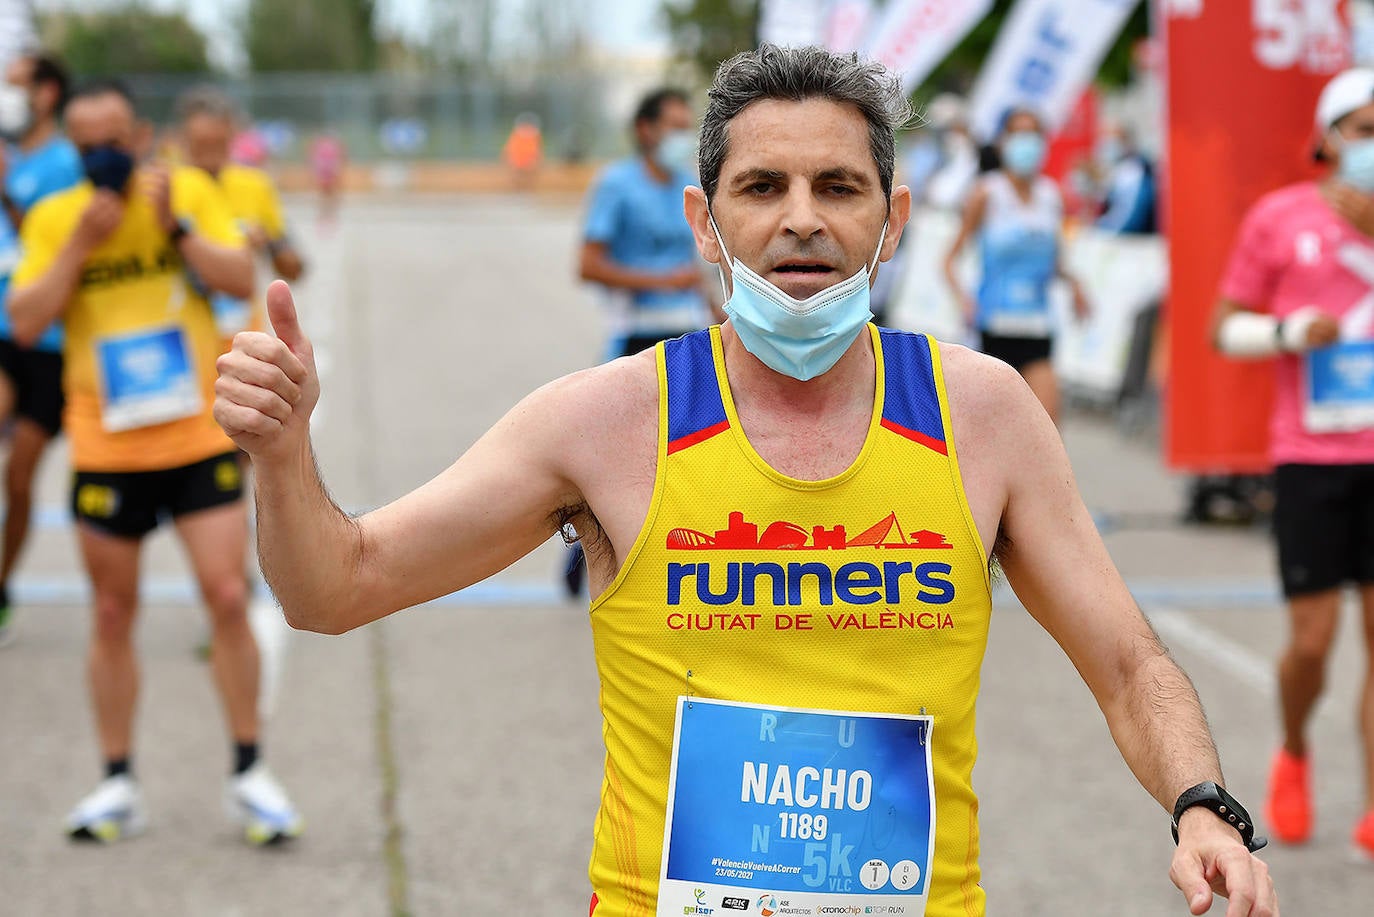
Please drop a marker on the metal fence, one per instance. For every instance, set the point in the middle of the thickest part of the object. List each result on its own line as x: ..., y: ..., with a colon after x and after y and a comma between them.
x: 395, y: 117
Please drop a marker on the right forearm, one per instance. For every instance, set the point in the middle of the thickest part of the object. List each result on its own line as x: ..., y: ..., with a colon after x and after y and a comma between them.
x: 610, y: 274
x: 310, y: 551
x: 35, y: 306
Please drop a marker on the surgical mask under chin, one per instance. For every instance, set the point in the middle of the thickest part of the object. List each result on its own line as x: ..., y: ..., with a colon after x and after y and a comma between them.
x: 677, y: 152
x: 801, y: 338
x: 16, y: 112
x: 107, y: 166
x: 1024, y: 153
x: 1357, y: 163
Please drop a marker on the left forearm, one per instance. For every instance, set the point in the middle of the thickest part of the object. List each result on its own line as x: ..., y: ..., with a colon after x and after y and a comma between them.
x: 219, y: 267
x: 1158, y: 723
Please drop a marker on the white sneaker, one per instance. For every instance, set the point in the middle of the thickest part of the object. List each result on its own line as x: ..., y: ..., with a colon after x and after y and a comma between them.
x: 113, y: 810
x: 257, y: 801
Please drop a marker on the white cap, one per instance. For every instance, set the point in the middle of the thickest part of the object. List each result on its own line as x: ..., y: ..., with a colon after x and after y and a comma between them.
x: 1346, y: 92
x: 945, y: 111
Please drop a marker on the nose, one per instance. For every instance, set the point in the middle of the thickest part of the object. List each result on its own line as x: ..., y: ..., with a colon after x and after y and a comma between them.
x: 801, y: 218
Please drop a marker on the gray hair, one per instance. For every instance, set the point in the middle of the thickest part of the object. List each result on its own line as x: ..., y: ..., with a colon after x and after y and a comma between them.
x: 206, y: 100
x: 795, y: 74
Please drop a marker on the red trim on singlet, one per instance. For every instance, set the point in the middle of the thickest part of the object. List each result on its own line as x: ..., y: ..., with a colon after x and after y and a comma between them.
x: 916, y: 436
x: 595, y: 902
x: 691, y: 439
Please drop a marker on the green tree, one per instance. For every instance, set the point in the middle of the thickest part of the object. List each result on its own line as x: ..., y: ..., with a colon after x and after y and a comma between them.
x: 126, y: 39
x: 706, y: 32
x: 310, y: 35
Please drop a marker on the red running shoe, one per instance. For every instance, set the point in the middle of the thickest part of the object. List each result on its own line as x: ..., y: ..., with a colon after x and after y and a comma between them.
x: 1289, y: 806
x: 1364, y: 836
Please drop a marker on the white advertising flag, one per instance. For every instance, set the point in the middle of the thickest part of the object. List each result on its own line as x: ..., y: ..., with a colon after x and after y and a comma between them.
x: 847, y: 24
x: 911, y: 37
x: 1046, y: 54
x: 17, y: 32
x: 793, y: 23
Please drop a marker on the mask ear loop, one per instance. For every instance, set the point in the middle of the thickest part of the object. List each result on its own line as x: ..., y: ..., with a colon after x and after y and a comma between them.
x: 725, y: 255
x: 882, y: 237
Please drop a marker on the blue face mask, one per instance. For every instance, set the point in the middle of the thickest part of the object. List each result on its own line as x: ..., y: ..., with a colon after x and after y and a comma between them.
x: 107, y: 166
x: 1357, y: 163
x: 677, y: 152
x: 1024, y: 153
x: 801, y: 338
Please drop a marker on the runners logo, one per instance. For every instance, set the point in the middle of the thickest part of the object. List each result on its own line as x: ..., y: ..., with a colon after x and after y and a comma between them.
x: 768, y: 905
x: 788, y: 536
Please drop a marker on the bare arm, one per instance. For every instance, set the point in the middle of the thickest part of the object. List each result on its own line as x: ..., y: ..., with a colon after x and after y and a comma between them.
x: 286, y: 261
x: 597, y: 266
x: 1062, y: 573
x: 495, y: 504
x: 973, y: 219
x: 228, y: 269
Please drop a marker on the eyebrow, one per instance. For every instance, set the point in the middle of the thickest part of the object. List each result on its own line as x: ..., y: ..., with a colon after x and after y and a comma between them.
x: 837, y: 173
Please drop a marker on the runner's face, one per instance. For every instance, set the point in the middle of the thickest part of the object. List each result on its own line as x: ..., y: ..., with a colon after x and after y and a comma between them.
x: 1358, y: 125
x: 799, y: 199
x: 97, y: 120
x: 207, y: 140
x: 673, y: 116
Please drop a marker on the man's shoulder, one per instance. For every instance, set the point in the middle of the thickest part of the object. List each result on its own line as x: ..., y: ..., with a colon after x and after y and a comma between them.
x: 245, y: 176
x: 621, y: 173
x: 981, y: 389
x: 60, y: 205
x: 1286, y: 199
x: 627, y: 385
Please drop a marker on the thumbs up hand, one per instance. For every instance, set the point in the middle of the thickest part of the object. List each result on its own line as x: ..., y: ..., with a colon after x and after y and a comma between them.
x: 267, y: 386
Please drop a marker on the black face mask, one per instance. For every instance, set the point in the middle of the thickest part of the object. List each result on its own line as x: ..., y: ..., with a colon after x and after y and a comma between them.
x: 107, y: 166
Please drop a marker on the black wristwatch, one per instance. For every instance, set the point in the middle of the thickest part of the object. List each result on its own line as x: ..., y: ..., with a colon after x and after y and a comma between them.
x: 181, y: 228
x: 1210, y: 796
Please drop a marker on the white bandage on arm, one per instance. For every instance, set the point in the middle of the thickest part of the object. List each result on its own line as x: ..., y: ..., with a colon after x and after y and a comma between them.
x: 1252, y: 334
x: 1248, y: 334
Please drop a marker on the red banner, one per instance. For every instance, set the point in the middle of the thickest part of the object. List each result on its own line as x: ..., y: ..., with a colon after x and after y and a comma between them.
x: 1243, y: 80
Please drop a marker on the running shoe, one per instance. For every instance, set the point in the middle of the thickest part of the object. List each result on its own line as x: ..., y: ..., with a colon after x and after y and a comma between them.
x: 255, y: 800
x: 1363, y: 837
x: 112, y: 811
x: 1289, y: 807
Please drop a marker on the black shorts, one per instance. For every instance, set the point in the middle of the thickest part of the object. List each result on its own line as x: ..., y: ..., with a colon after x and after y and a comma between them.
x: 1324, y: 525
x: 37, y: 379
x: 1018, y: 351
x: 131, y: 503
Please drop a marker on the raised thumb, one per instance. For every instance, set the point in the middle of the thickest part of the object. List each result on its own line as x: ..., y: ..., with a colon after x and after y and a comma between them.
x: 281, y: 312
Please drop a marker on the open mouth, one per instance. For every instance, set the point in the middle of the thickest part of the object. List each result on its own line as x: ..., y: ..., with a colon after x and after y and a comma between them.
x: 813, y: 269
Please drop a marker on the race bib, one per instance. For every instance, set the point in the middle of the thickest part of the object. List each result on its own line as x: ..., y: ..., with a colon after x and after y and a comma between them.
x: 1020, y: 310
x: 232, y: 314
x: 147, y: 378
x: 1339, y: 388
x: 777, y: 810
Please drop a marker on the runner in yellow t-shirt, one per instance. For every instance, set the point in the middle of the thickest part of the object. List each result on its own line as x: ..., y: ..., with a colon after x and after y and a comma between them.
x: 208, y: 119
x: 125, y: 260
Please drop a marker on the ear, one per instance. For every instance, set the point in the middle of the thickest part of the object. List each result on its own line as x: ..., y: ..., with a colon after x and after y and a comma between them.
x: 897, y: 217
x: 699, y: 218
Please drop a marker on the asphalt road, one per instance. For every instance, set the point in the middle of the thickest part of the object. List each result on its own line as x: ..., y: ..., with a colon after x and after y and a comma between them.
x: 448, y: 759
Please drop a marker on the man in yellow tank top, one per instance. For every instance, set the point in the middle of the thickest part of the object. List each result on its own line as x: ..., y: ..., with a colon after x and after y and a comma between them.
x: 789, y: 553
x: 207, y: 121
x: 125, y: 260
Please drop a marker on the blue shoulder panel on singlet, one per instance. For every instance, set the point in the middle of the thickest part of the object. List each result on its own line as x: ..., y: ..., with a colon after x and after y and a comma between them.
x: 911, y: 402
x: 696, y: 411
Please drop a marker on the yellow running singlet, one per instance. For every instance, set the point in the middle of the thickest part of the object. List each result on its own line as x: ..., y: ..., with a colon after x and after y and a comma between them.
x: 789, y: 668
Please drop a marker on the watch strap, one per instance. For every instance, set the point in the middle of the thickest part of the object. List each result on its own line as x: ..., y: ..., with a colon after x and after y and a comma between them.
x: 1221, y: 803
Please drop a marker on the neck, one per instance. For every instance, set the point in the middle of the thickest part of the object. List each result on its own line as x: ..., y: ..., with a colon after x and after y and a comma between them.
x: 38, y: 135
x: 655, y: 170
x: 1020, y: 182
x: 750, y: 380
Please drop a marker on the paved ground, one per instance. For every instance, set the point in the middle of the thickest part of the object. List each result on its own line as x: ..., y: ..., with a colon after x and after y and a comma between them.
x: 448, y: 759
